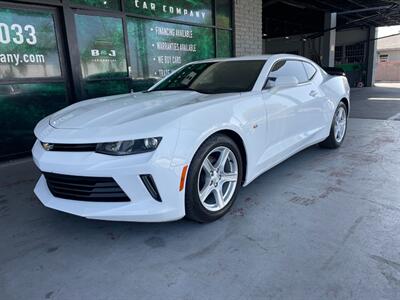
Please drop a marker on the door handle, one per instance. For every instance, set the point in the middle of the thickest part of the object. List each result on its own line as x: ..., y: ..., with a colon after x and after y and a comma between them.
x: 313, y: 93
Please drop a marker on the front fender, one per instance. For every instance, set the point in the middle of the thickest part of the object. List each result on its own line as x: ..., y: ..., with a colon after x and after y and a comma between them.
x: 246, y: 117
x: 190, y: 140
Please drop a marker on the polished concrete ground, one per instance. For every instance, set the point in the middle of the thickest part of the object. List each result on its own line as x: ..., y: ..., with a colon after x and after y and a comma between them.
x: 379, y: 102
x: 322, y: 225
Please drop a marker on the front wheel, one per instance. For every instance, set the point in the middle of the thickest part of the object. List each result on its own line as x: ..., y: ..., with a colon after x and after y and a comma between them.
x: 214, y: 179
x: 338, y: 128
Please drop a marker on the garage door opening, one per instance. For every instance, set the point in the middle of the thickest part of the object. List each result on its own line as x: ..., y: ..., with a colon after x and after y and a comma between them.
x: 388, y: 57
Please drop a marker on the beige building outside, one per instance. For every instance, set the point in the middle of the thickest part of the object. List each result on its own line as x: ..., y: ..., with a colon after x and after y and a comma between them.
x: 388, y: 55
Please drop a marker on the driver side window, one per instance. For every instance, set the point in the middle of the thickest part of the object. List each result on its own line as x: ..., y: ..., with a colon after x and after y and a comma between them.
x: 292, y: 68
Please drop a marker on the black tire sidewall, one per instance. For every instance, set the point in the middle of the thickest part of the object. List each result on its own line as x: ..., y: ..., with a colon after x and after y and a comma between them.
x: 330, y: 142
x: 194, y: 209
x: 332, y: 134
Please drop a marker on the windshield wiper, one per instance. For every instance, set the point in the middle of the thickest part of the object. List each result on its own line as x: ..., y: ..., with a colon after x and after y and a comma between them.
x: 205, y: 91
x: 175, y: 89
x: 223, y: 91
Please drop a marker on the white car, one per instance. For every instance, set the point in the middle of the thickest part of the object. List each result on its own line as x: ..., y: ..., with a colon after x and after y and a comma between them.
x: 186, y: 146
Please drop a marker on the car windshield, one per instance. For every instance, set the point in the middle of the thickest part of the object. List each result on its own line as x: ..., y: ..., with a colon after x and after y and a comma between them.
x: 214, y: 77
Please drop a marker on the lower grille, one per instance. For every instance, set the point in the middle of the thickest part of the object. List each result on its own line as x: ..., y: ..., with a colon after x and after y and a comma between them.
x: 70, y: 147
x: 97, y: 189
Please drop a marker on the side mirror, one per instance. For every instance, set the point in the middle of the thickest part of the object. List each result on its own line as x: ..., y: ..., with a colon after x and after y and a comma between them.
x: 286, y: 81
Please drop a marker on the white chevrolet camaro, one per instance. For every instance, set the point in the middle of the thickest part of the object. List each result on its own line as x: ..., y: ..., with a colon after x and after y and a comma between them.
x: 186, y: 146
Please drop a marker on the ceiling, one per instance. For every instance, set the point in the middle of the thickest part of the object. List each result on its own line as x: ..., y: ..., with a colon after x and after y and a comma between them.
x: 290, y: 17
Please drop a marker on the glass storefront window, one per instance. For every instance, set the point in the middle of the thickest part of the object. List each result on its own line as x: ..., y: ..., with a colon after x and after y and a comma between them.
x: 158, y: 48
x: 224, y: 43
x: 111, y: 4
x: 101, y: 88
x: 22, y: 106
x: 162, y: 35
x: 199, y: 11
x: 223, y: 13
x: 28, y: 45
x: 101, y: 47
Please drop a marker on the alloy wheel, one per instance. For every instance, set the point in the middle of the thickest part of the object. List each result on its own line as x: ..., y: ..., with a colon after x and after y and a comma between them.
x: 340, y: 123
x: 217, y: 178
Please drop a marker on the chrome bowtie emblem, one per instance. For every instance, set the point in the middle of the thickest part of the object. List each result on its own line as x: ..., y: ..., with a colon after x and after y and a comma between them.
x: 47, y: 146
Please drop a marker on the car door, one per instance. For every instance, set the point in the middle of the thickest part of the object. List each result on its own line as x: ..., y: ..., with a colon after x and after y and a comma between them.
x: 286, y: 107
x: 315, y: 106
x: 318, y: 107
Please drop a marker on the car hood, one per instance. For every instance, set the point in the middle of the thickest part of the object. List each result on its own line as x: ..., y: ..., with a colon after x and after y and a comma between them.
x: 118, y: 110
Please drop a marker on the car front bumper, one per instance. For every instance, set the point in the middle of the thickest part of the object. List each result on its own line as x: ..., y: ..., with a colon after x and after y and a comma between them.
x: 126, y: 171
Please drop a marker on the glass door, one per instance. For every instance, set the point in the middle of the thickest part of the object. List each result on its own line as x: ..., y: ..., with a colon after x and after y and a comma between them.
x: 102, y: 52
x: 32, y: 73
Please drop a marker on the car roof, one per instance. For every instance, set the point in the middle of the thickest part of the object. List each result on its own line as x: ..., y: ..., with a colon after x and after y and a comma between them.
x: 255, y: 57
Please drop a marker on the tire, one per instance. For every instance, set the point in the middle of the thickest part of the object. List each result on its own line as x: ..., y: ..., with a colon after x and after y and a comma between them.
x: 207, y: 181
x: 334, y: 141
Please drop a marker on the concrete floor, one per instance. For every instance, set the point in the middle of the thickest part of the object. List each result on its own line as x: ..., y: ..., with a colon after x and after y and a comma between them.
x: 379, y: 102
x: 322, y: 225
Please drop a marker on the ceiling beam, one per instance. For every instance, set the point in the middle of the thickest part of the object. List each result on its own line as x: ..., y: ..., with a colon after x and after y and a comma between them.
x: 367, y: 9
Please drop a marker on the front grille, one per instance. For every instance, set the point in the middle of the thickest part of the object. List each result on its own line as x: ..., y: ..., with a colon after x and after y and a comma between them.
x: 97, y: 189
x: 70, y: 147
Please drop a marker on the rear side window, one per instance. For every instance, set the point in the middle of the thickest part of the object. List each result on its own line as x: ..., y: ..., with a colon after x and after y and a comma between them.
x: 310, y: 70
x: 288, y: 68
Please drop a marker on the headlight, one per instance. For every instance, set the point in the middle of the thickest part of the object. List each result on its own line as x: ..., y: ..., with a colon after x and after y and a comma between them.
x: 129, y: 147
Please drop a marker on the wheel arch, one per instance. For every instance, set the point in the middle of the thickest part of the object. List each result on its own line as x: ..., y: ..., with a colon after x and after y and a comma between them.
x: 240, y: 143
x: 236, y: 137
x: 347, y: 103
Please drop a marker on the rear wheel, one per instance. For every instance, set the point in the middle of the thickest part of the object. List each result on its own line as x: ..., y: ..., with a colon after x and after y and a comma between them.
x: 338, y: 128
x: 214, y: 179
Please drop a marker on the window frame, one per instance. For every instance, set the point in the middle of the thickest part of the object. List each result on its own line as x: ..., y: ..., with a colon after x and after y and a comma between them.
x: 154, y: 87
x: 59, y: 44
x: 124, y: 14
x: 66, y: 37
x: 290, y: 59
x: 383, y: 57
x: 80, y: 12
x: 315, y: 70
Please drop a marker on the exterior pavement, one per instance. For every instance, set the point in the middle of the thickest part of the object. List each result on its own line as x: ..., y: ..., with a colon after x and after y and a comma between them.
x: 381, y: 102
x: 322, y: 225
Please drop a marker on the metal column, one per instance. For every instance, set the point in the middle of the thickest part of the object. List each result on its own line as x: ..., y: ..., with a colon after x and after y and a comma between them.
x: 371, y: 56
x: 329, y: 40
